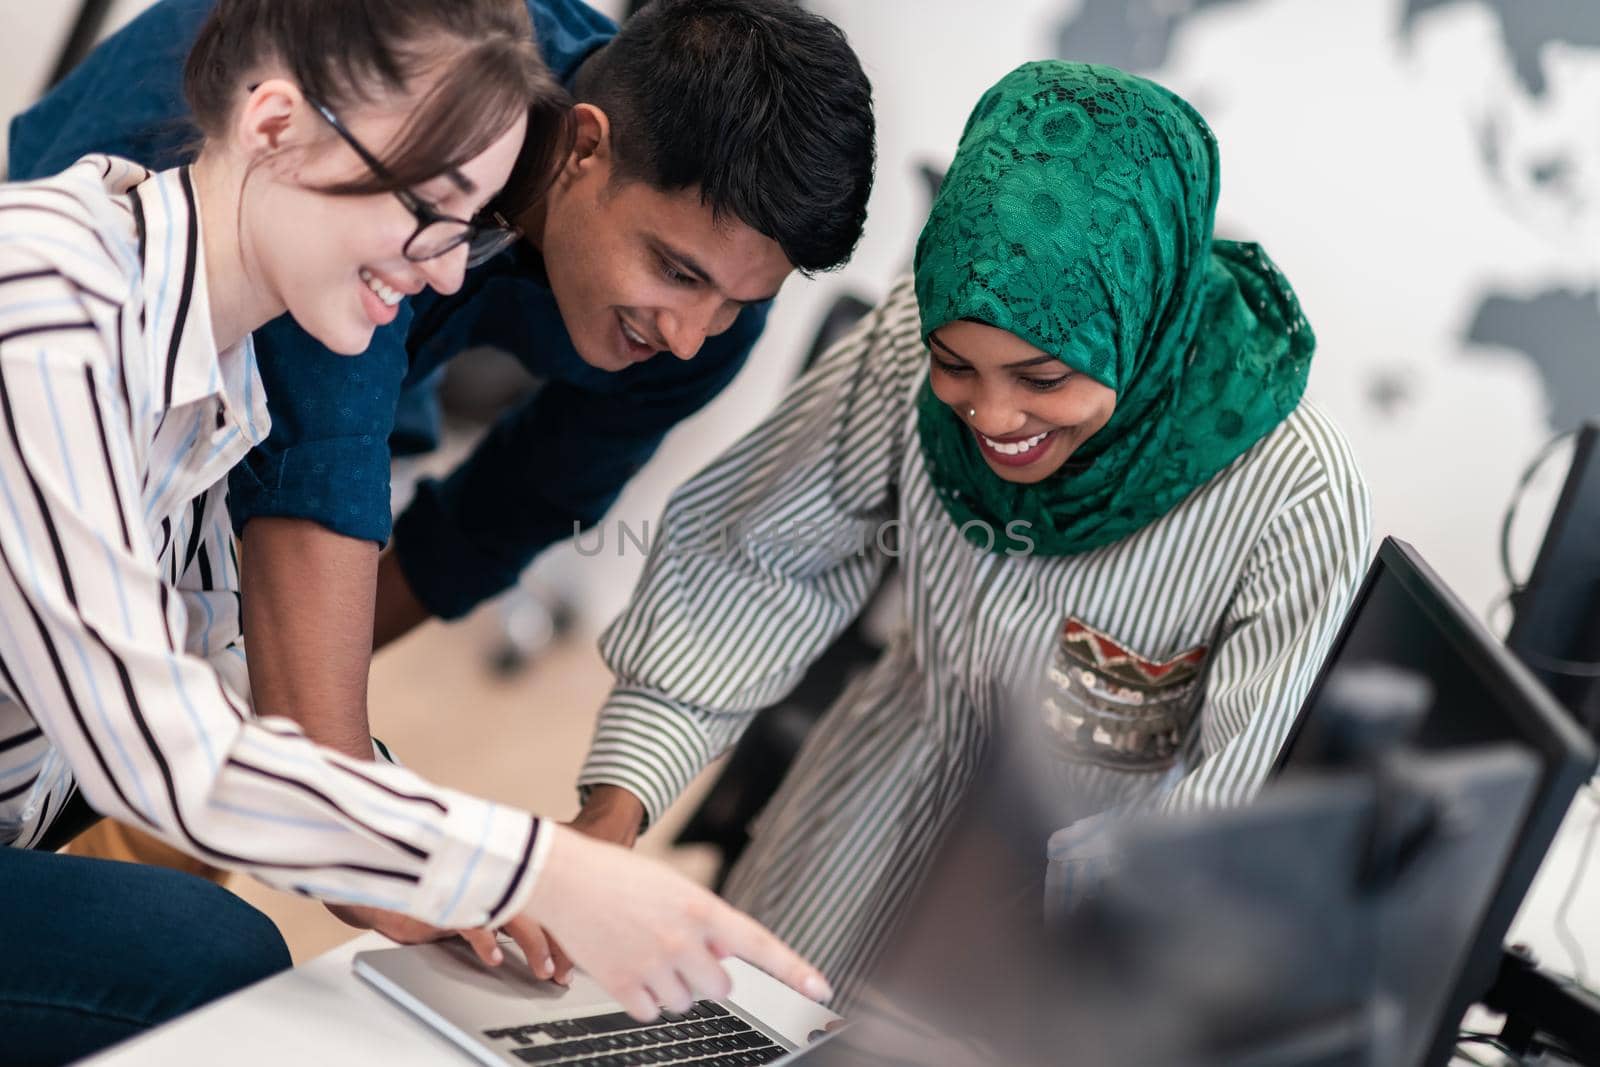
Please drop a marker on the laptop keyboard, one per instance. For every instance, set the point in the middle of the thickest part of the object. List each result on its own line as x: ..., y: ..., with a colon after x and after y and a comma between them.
x: 707, y: 1035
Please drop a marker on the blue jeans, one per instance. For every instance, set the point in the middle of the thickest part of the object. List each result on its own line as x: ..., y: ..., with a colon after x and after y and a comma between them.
x: 95, y: 951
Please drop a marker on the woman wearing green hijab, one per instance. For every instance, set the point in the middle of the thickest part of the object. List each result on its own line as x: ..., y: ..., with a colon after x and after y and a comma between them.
x: 1080, y: 431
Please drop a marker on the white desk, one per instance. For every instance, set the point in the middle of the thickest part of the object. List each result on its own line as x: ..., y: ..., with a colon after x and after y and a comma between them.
x: 321, y: 1013
x: 318, y: 1013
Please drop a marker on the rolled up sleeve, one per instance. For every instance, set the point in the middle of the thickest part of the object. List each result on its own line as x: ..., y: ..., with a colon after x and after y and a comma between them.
x: 327, y: 456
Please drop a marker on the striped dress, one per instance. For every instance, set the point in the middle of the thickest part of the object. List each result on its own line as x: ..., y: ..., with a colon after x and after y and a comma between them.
x: 1168, y: 664
x: 122, y: 671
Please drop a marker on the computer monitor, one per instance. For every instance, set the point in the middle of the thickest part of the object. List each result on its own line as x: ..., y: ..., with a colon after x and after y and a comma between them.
x: 1556, y: 626
x: 1405, y: 618
x: 1310, y: 928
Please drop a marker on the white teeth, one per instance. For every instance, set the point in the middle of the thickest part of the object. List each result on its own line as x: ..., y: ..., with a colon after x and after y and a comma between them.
x: 1015, y: 448
x: 389, y: 296
x: 633, y: 335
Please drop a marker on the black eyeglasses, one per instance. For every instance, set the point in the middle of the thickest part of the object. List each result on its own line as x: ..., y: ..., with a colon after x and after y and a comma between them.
x: 485, y: 237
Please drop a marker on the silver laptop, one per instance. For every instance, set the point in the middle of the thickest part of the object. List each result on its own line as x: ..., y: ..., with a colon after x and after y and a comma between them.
x: 506, y: 1015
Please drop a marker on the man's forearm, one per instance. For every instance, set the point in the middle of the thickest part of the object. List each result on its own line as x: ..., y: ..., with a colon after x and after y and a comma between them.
x: 308, y: 607
x: 610, y: 813
x: 398, y: 610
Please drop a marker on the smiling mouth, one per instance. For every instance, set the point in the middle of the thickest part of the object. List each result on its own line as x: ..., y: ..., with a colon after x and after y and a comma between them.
x: 643, y: 345
x: 634, y: 335
x: 1015, y: 448
x: 381, y: 289
x: 1018, y: 452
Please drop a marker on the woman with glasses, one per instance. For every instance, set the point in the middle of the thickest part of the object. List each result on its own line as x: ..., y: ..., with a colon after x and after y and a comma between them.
x: 352, y: 153
x: 436, y: 234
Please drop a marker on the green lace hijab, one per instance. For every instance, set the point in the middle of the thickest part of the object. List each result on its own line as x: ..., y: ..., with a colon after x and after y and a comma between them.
x: 1078, y: 216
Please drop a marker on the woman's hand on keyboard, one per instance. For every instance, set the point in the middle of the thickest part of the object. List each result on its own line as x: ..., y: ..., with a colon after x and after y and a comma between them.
x: 408, y: 931
x: 649, y: 936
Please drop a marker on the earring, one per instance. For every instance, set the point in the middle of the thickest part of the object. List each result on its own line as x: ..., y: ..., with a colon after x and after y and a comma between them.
x: 972, y: 413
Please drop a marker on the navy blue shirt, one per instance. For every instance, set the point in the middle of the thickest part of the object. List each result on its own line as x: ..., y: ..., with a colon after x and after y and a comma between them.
x: 561, y: 458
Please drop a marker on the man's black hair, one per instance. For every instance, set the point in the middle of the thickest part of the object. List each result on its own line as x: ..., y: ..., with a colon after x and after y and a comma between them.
x: 760, y: 104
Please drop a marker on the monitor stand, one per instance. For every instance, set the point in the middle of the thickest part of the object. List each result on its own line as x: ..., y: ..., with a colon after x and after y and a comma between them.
x: 1545, y: 1013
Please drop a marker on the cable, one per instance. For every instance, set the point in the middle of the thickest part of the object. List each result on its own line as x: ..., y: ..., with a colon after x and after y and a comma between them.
x: 1502, y: 602
x: 1570, y: 668
x: 1515, y: 588
x: 1528, y: 473
x: 1494, y: 1041
x: 1564, y: 932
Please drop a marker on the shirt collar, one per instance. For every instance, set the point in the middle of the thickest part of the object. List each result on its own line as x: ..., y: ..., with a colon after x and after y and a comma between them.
x: 177, y: 306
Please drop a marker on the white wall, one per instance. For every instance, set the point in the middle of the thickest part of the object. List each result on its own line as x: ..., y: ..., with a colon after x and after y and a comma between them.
x: 1353, y: 151
x: 31, y: 34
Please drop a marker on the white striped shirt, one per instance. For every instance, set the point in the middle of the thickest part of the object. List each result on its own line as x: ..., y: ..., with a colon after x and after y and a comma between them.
x: 1257, y: 567
x: 122, y: 670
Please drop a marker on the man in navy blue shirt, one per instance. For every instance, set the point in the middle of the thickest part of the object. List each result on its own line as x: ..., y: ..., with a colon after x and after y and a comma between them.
x: 719, y: 145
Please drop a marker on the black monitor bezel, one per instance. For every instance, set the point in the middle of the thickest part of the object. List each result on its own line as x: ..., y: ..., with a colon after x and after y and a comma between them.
x: 1527, y: 628
x: 1567, y: 751
x: 1584, y: 452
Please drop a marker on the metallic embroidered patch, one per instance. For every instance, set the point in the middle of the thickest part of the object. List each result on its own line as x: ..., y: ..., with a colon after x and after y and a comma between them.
x: 1108, y: 705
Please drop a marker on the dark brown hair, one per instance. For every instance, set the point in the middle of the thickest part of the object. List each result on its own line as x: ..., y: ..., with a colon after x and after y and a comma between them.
x: 350, y: 52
